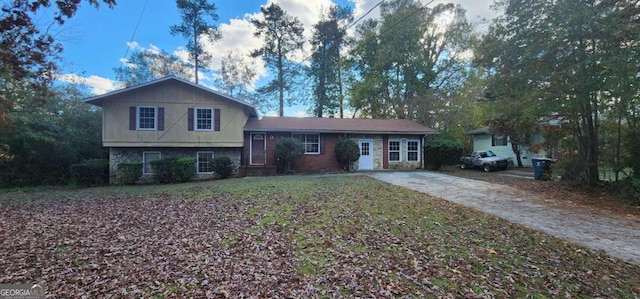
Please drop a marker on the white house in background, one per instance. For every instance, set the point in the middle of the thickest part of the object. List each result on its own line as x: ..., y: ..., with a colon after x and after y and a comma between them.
x: 501, y: 145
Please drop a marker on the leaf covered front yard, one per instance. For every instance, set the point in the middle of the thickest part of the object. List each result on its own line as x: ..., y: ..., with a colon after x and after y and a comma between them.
x: 343, y: 236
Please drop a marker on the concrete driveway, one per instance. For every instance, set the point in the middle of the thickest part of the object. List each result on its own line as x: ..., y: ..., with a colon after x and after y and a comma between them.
x: 618, y: 237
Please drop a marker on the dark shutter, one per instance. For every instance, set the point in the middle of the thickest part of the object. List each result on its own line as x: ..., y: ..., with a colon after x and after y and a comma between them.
x: 216, y: 119
x: 321, y: 141
x: 132, y: 118
x: 190, y: 119
x: 160, y: 118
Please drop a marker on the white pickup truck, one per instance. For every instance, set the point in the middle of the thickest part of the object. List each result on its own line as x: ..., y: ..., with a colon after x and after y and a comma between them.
x: 486, y: 160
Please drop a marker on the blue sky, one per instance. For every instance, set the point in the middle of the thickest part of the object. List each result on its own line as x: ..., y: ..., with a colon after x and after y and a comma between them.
x: 95, y: 41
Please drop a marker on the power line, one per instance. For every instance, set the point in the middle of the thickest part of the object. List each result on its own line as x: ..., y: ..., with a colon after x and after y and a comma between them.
x: 362, y: 17
x: 405, y: 18
x: 347, y: 27
x: 425, y: 6
x: 136, y: 28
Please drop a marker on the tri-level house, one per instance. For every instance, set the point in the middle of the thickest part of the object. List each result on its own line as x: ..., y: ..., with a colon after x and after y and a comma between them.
x: 171, y: 117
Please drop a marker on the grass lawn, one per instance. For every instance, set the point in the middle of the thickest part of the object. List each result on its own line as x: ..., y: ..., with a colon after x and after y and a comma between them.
x: 299, y: 237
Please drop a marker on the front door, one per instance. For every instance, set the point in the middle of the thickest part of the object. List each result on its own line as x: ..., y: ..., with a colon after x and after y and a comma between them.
x: 366, y: 155
x: 258, y: 149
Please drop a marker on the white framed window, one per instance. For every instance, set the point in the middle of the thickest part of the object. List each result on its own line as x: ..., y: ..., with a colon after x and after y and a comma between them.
x: 204, y: 119
x: 147, y: 118
x: 394, y: 150
x: 413, y: 153
x: 146, y: 158
x: 204, y: 160
x: 311, y: 142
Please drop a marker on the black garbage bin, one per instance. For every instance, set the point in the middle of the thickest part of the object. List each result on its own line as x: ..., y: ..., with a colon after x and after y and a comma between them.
x: 541, y: 168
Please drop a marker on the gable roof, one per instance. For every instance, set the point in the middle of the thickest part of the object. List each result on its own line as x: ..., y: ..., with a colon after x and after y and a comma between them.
x: 481, y: 131
x: 337, y: 125
x: 554, y: 121
x: 97, y: 100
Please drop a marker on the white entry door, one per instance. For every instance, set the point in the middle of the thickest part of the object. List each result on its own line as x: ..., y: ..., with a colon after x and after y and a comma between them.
x: 366, y: 155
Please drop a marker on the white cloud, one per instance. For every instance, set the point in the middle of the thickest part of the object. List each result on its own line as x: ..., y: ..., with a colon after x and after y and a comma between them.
x: 237, y: 37
x: 237, y: 34
x: 182, y: 53
x: 475, y: 9
x: 154, y: 49
x: 98, y: 85
x: 133, y: 45
x: 127, y: 63
x: 272, y: 113
x: 308, y: 12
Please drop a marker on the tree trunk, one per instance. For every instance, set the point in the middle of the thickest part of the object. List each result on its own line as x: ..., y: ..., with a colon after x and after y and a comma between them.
x: 196, y: 54
x: 588, y: 140
x: 616, y: 163
x: 321, y: 97
x: 280, y: 82
x: 340, y: 95
x: 515, y: 147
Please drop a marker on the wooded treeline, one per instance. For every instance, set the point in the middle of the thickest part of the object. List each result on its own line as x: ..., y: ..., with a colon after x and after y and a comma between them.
x: 570, y: 69
x: 44, y: 129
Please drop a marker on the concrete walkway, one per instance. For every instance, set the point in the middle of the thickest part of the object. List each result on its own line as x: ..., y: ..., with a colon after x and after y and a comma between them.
x: 618, y: 237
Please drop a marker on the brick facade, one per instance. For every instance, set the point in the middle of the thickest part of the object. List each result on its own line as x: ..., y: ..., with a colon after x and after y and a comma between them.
x: 325, y: 161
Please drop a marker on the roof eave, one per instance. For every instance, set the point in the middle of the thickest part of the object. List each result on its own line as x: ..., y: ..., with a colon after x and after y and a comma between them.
x: 338, y: 131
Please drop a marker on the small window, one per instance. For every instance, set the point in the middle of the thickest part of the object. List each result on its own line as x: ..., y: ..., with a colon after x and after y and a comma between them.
x: 204, y: 119
x: 146, y: 118
x: 364, y: 149
x: 204, y: 162
x: 412, y: 150
x: 394, y: 150
x: 311, y: 142
x: 498, y: 140
x: 146, y: 158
